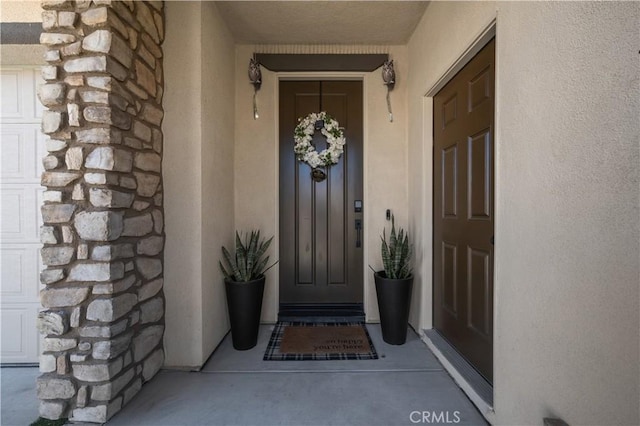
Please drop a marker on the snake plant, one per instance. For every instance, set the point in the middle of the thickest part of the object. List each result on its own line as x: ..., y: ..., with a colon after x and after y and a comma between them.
x: 396, y: 253
x: 247, y: 264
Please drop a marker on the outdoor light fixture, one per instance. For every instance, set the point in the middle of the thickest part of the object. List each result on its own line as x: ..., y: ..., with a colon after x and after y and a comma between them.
x: 389, y: 78
x: 255, y: 77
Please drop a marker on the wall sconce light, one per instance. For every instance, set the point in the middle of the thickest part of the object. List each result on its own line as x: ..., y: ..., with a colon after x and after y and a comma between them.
x: 389, y: 78
x: 255, y: 77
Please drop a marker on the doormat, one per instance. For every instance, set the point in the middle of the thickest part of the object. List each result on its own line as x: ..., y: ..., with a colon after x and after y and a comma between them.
x: 303, y: 341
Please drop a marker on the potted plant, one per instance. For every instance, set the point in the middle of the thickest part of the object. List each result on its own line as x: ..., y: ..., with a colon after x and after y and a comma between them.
x: 393, y: 286
x: 244, y: 283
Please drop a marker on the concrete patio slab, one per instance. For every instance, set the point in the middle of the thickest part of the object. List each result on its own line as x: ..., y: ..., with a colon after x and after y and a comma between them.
x: 297, y: 398
x: 19, y: 405
x: 405, y: 386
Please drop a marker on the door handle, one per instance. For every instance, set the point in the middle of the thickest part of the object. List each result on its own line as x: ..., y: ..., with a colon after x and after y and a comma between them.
x: 358, y: 229
x: 491, y: 240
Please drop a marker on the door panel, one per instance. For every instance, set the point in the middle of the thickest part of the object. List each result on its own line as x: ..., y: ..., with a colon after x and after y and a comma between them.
x: 21, y: 153
x: 463, y: 211
x: 20, y: 339
x: 480, y: 175
x: 319, y: 260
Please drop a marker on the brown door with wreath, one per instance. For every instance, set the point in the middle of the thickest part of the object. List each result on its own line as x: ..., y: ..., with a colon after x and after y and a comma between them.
x: 463, y: 132
x: 320, y: 229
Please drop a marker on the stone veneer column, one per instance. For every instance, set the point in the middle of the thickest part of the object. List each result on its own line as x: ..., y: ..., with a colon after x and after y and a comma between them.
x: 103, y: 218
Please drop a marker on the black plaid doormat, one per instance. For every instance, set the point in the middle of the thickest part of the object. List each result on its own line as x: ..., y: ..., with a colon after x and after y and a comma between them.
x: 302, y: 341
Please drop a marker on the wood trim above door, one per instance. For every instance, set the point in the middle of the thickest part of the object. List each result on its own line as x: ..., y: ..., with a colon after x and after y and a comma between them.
x: 285, y: 62
x: 20, y: 32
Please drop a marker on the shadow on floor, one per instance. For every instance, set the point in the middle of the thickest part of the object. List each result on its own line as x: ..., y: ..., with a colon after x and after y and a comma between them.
x: 405, y: 386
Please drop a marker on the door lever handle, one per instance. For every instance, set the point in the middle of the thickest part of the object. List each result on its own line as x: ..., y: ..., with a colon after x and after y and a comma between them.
x: 358, y: 229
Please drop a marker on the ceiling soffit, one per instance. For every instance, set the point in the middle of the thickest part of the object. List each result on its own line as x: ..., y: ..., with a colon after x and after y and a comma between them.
x: 322, y: 22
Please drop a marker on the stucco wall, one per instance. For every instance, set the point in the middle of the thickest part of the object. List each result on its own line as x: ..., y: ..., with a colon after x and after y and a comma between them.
x: 218, y: 94
x: 199, y: 128
x: 20, y: 11
x: 385, y: 166
x: 21, y: 54
x: 566, y: 265
x: 256, y: 162
x: 255, y: 169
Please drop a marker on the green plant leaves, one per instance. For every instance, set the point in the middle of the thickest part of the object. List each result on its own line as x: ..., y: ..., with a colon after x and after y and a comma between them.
x: 396, y: 253
x: 247, y: 264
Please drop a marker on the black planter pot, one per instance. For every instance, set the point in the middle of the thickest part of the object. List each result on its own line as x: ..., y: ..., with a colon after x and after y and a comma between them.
x: 244, y: 300
x: 394, y: 299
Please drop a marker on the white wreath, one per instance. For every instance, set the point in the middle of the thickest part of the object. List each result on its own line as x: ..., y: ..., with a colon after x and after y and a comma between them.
x: 303, y: 134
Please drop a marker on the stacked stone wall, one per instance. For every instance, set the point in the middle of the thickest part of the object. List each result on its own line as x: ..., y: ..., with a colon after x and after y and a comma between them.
x: 103, y: 231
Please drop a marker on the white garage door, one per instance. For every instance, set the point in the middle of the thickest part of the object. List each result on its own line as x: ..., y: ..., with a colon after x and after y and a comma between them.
x: 21, y: 151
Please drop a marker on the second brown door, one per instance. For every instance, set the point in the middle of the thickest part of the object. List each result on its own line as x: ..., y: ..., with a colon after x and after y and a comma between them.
x: 320, y: 245
x: 463, y: 211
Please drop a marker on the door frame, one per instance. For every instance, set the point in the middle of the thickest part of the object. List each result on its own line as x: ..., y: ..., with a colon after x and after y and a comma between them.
x: 369, y: 305
x: 488, y: 32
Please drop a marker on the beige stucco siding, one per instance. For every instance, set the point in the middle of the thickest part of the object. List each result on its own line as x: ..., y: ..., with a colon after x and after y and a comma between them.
x: 20, y: 11
x: 182, y: 129
x: 568, y: 317
x: 21, y: 54
x: 385, y: 166
x: 255, y: 165
x: 198, y: 176
x: 217, y: 192
x: 567, y: 236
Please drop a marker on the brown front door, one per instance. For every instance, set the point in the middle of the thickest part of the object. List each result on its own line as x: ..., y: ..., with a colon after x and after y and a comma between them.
x: 320, y: 247
x: 463, y: 211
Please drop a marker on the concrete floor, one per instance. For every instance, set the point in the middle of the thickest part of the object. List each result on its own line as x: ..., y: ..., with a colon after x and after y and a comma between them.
x: 19, y: 405
x: 405, y: 386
